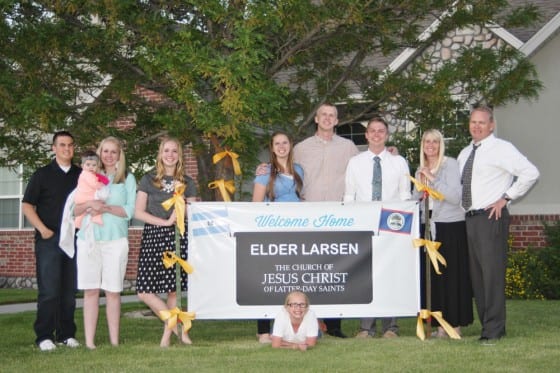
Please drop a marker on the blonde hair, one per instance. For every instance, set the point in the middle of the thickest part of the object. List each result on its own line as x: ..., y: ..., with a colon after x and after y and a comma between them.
x: 179, y: 172
x: 290, y: 294
x: 121, y: 173
x: 439, y: 137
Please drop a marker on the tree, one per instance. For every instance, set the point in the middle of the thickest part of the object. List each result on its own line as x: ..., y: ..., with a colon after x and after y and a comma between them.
x: 227, y: 71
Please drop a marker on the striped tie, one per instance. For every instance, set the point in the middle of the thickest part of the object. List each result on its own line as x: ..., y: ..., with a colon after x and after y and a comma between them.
x: 466, y: 201
x: 376, y: 182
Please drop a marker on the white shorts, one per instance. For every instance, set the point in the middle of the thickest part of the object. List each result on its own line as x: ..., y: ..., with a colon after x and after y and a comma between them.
x: 103, y: 266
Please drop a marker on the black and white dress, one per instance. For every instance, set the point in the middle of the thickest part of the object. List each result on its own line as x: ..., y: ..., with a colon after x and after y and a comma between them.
x: 152, y: 276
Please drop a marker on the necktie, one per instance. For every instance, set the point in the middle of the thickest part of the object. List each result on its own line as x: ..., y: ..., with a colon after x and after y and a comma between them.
x: 376, y: 180
x: 466, y: 201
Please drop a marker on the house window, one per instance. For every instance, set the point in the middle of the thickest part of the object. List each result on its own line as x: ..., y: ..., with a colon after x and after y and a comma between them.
x: 353, y: 131
x: 11, y: 193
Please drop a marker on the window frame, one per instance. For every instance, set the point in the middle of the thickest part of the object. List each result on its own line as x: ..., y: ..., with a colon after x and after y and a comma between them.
x: 21, y: 224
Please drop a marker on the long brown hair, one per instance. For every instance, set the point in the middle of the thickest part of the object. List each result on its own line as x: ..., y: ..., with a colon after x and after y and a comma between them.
x: 179, y: 172
x: 276, y: 167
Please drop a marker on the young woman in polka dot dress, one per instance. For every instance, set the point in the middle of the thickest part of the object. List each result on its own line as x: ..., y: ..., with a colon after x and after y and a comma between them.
x: 158, y: 235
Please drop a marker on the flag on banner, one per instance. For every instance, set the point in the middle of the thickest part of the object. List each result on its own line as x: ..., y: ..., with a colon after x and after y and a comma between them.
x: 396, y: 221
x: 210, y: 221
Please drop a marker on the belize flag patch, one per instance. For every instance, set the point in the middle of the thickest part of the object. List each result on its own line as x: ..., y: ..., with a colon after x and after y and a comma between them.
x: 396, y: 221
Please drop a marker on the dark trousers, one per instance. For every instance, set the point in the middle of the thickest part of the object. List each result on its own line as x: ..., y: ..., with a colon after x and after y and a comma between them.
x: 56, y: 301
x: 332, y: 324
x: 488, y: 247
x: 263, y: 326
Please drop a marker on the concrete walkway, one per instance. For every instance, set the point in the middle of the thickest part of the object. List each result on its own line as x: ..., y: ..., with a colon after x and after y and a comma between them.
x: 22, y: 307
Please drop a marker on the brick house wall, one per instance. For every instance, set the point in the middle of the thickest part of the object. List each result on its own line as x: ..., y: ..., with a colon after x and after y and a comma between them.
x: 528, y: 230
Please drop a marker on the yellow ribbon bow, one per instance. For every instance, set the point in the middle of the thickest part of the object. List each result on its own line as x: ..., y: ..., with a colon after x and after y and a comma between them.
x: 432, y: 248
x: 224, y: 186
x: 424, y: 188
x: 424, y: 315
x: 174, y: 314
x: 218, y: 156
x: 178, y: 202
x: 170, y: 258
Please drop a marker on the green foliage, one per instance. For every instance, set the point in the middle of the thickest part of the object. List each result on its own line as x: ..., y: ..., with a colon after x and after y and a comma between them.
x: 520, y: 279
x: 548, y: 275
x: 552, y: 232
x: 231, y: 71
x: 535, y: 273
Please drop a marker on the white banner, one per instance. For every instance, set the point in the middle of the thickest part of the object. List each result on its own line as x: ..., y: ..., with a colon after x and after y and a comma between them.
x: 351, y: 259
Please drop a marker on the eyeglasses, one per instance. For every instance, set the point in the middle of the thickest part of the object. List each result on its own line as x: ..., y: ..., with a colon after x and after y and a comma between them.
x: 297, y: 305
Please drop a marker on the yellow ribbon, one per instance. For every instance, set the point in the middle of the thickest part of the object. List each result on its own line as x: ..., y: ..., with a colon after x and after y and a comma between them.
x: 424, y: 315
x: 170, y: 258
x: 224, y: 186
x: 432, y: 248
x: 178, y: 202
x: 218, y: 156
x: 174, y: 314
x: 424, y: 188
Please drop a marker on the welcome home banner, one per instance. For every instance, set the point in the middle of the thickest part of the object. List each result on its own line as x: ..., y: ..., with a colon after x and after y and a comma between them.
x: 351, y: 259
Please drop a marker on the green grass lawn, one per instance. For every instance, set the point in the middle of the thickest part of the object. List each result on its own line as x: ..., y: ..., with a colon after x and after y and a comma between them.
x: 13, y: 295
x: 532, y: 344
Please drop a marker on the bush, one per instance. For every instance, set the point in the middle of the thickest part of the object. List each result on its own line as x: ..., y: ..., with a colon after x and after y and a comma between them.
x: 552, y: 233
x: 535, y: 273
x: 520, y: 281
x: 548, y: 276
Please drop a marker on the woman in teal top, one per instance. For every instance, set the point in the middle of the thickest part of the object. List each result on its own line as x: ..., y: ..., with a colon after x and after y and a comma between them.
x: 102, y: 259
x: 282, y: 183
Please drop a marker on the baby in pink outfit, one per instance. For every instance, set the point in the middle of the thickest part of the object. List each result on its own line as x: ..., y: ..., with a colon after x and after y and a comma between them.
x: 91, y: 185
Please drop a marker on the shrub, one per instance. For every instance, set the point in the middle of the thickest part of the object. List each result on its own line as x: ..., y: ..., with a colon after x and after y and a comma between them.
x: 520, y: 282
x: 552, y: 233
x: 535, y: 273
x: 548, y: 275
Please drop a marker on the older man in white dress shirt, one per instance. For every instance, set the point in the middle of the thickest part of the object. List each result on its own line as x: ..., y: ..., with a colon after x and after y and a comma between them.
x: 494, y: 172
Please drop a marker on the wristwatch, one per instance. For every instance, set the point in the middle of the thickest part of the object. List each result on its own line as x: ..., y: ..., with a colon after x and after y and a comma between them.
x: 506, y: 197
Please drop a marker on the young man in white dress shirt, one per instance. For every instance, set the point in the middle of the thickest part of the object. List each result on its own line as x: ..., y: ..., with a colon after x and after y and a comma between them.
x: 500, y: 173
x: 395, y: 186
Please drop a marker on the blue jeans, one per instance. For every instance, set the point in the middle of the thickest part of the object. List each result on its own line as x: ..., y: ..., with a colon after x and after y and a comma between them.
x: 56, y: 301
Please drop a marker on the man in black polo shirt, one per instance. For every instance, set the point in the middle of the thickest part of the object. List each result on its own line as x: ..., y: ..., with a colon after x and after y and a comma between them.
x: 42, y: 205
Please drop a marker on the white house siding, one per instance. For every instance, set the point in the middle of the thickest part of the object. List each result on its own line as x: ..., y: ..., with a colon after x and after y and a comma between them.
x: 534, y: 127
